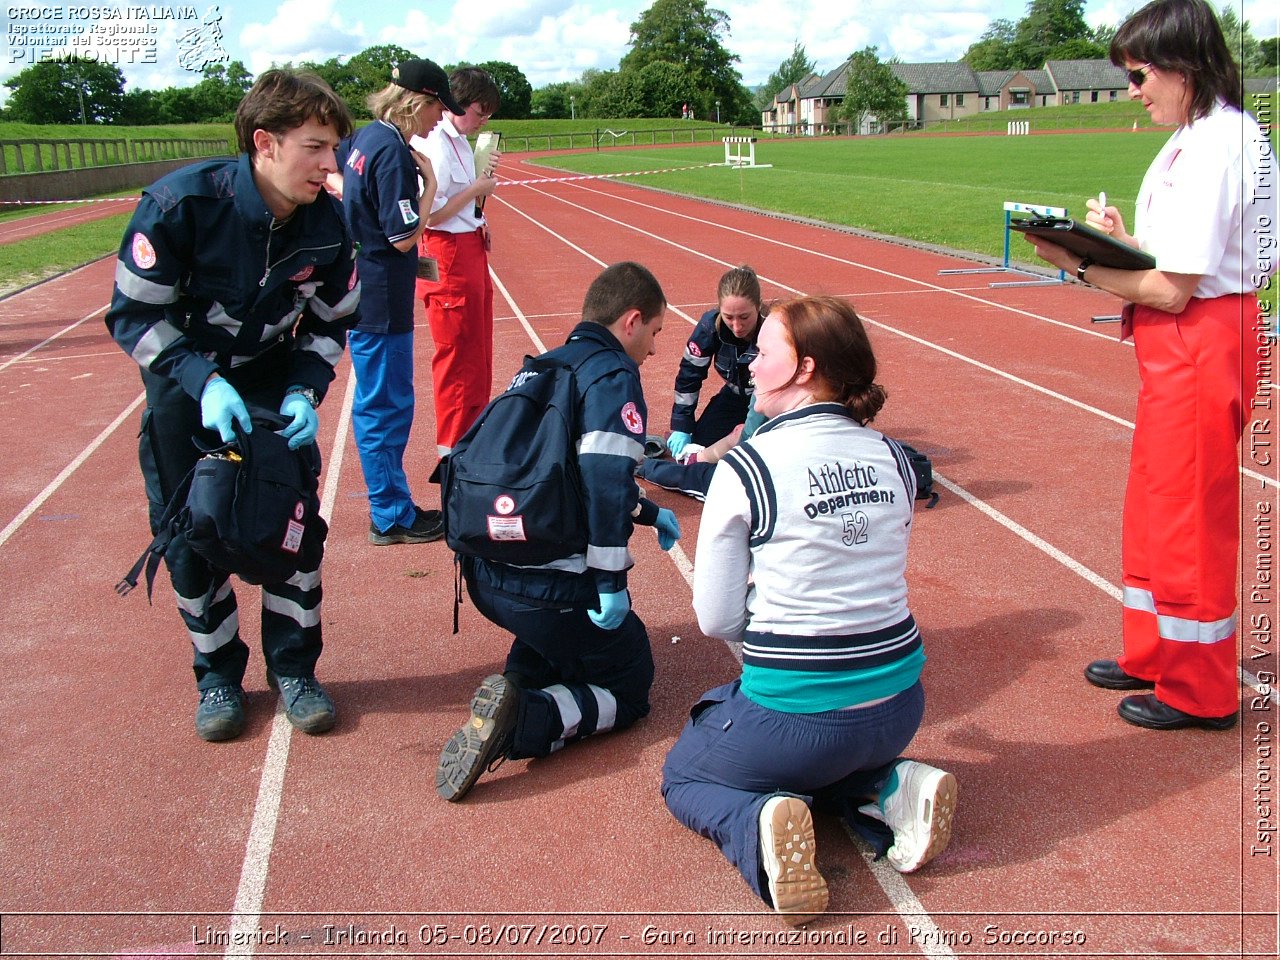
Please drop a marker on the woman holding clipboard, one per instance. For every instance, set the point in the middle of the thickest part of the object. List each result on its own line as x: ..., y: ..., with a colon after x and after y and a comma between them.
x: 1205, y: 211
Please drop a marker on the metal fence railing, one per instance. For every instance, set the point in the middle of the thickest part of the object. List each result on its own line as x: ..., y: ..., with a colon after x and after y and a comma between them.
x: 44, y: 156
x: 602, y: 138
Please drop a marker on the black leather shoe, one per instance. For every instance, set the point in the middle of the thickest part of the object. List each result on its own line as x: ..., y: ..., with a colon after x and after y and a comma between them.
x: 1107, y: 673
x: 1145, y: 710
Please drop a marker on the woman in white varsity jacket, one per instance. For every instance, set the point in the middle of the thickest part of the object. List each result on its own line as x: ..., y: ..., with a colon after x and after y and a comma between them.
x: 801, y: 556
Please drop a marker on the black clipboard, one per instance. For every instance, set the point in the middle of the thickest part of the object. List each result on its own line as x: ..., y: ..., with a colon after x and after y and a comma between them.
x: 1084, y: 241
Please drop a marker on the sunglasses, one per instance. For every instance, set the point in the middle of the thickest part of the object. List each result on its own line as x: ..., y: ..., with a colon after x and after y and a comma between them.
x: 1139, y: 75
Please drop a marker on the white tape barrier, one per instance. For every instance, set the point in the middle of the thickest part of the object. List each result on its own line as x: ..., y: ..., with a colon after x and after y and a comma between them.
x: 21, y: 203
x: 603, y: 176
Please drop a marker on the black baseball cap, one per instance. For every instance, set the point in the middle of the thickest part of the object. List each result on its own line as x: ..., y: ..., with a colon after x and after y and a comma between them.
x: 425, y: 76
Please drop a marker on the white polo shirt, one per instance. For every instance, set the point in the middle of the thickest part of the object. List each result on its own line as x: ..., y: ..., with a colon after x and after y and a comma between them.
x: 1207, y: 205
x: 455, y: 166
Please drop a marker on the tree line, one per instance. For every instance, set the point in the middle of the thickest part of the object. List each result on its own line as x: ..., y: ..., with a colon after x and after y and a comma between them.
x: 1056, y: 30
x: 677, y: 62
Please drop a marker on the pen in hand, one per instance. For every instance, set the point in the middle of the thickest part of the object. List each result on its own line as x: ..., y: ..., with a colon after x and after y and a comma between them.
x: 1102, y: 209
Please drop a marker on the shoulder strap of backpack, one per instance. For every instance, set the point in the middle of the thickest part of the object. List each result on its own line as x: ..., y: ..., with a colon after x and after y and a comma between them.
x: 170, y: 522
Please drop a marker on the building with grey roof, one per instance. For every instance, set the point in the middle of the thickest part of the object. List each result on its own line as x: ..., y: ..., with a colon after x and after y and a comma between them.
x: 948, y: 91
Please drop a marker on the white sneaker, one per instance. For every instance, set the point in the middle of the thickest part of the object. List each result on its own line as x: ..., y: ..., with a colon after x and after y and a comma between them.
x: 917, y: 803
x: 787, y: 849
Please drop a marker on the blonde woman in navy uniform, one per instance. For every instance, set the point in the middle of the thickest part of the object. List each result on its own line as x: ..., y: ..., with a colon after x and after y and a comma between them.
x: 388, y: 189
x: 802, y: 553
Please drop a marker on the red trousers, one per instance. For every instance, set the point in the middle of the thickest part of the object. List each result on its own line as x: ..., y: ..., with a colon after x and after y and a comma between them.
x: 460, y: 315
x: 1182, y: 505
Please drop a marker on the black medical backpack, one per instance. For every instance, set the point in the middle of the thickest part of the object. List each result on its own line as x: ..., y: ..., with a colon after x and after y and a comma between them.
x: 511, y: 490
x: 250, y: 507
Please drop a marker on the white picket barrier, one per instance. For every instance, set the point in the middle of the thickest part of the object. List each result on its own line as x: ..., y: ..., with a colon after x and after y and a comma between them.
x: 1018, y: 128
x: 740, y: 152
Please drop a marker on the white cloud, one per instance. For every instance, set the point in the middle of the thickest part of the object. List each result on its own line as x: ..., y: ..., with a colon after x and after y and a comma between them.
x: 763, y: 31
x: 300, y: 30
x: 549, y: 40
x: 508, y: 18
x: 564, y: 46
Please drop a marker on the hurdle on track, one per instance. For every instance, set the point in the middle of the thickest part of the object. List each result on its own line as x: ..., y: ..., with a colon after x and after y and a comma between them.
x: 734, y: 155
x: 1012, y: 207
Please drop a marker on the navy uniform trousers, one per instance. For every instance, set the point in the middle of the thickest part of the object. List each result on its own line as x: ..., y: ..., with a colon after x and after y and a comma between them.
x: 575, y: 678
x: 723, y: 412
x: 167, y: 451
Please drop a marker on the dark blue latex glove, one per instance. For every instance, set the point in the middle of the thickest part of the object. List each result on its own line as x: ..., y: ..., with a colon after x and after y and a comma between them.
x: 613, y: 610
x: 219, y: 405
x: 305, y: 423
x: 668, y: 528
x: 677, y: 442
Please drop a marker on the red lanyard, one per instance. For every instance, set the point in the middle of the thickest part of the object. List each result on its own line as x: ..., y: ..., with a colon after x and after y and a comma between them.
x: 459, y: 156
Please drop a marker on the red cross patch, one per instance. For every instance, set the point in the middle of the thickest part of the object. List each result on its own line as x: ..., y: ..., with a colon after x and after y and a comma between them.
x: 631, y: 418
x: 144, y: 254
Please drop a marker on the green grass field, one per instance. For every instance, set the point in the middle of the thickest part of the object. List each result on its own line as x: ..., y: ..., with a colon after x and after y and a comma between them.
x: 37, y: 131
x: 939, y: 190
x: 38, y: 258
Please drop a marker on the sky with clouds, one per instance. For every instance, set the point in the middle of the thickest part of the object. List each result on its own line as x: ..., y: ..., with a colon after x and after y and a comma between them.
x: 155, y: 45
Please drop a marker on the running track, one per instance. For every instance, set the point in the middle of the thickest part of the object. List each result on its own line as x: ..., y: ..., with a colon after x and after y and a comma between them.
x: 124, y: 835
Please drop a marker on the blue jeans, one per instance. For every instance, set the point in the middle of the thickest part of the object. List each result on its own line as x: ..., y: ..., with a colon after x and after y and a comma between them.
x: 734, y: 754
x: 381, y: 417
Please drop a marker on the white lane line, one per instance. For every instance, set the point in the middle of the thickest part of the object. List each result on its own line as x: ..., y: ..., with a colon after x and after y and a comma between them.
x: 1102, y: 583
x: 932, y: 942
x: 594, y: 259
x: 520, y: 315
x: 337, y: 451
x: 1267, y: 481
x: 66, y: 472
x: 1079, y: 569
x: 12, y: 360
x: 246, y: 914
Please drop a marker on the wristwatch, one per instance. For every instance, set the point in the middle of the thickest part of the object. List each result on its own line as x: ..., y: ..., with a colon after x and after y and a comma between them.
x: 308, y: 393
x: 1085, y: 264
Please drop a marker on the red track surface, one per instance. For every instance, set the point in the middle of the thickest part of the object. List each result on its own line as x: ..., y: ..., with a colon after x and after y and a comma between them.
x: 124, y: 835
